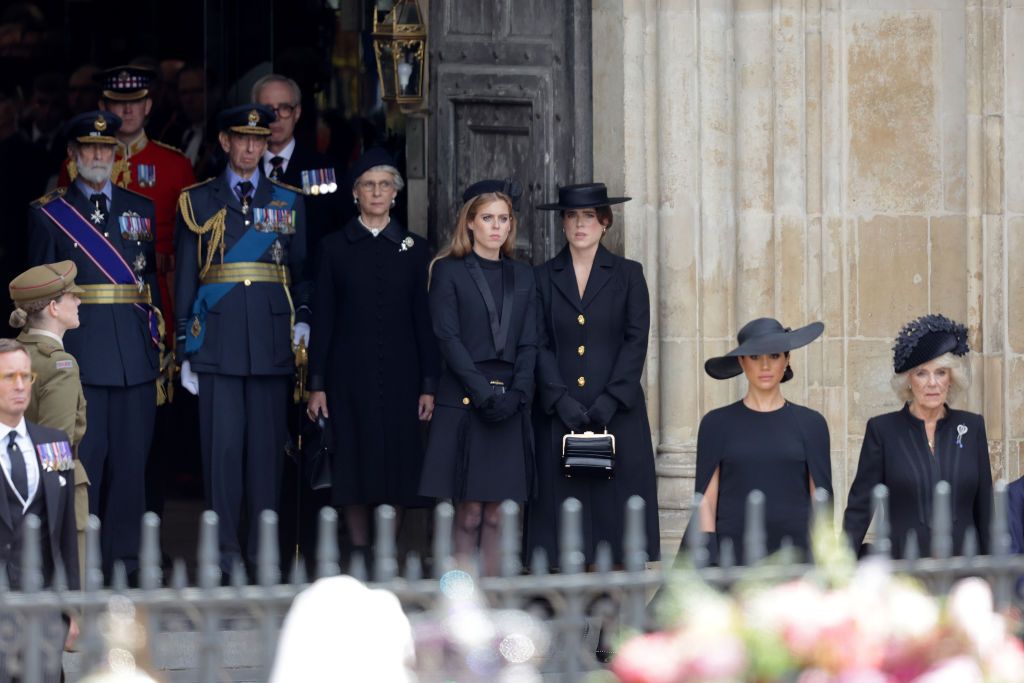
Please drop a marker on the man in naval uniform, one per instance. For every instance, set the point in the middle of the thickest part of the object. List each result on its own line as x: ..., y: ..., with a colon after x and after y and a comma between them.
x: 241, y: 300
x: 107, y: 232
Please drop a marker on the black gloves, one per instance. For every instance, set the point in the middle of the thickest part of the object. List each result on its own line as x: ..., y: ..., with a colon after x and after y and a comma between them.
x: 603, y: 410
x: 571, y: 412
x: 500, y: 407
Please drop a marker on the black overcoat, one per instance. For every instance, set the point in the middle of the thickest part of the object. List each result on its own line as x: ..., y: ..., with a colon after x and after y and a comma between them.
x: 895, y: 453
x: 468, y: 458
x: 249, y: 331
x: 113, y: 345
x: 325, y: 213
x: 374, y: 353
x: 586, y: 348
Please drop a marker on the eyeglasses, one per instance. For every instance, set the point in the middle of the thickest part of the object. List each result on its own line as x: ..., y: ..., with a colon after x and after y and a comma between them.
x: 284, y: 111
x: 369, y: 185
x: 27, y: 378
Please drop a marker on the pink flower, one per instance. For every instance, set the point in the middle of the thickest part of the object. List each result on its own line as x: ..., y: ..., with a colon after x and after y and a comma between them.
x: 1006, y: 663
x: 960, y: 669
x: 652, y: 658
x: 970, y: 611
x: 723, y: 659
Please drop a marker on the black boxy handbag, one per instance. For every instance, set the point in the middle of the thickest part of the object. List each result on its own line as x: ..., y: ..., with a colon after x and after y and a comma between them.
x: 588, y: 455
x: 316, y: 457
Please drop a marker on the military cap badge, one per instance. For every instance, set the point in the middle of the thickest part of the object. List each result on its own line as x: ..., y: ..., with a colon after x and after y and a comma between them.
x: 100, y: 124
x: 254, y: 118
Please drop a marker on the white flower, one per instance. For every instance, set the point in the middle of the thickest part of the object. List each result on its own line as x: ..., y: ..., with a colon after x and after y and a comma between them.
x: 406, y: 244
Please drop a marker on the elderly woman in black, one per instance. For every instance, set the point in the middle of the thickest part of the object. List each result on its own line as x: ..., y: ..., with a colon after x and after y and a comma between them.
x: 762, y: 442
x: 913, y: 449
x: 594, y: 319
x: 482, y: 304
x: 373, y: 360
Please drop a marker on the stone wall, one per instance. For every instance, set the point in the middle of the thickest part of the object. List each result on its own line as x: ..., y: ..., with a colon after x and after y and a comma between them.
x: 835, y: 160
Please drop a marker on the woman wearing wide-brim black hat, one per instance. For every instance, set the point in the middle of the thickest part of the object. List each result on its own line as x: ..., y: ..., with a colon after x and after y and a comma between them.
x: 761, y: 442
x: 914, y: 448
x: 594, y: 318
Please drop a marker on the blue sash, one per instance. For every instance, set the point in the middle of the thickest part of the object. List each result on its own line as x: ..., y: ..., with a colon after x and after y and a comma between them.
x: 101, y: 252
x: 250, y: 247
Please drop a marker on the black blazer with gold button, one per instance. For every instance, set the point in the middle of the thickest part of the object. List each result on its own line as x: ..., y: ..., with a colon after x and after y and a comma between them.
x: 468, y: 330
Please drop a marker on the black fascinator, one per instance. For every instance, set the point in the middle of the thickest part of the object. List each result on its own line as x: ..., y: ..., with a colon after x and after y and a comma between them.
x: 927, y: 338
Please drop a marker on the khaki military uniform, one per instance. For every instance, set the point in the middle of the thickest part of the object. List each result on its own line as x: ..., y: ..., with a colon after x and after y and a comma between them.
x: 58, y: 402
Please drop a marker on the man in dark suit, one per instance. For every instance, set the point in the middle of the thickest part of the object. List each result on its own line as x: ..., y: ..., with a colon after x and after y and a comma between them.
x: 294, y: 163
x: 241, y: 302
x: 108, y: 232
x: 38, y: 479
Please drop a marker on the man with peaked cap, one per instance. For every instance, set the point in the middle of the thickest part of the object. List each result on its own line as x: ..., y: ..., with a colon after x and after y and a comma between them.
x: 241, y: 301
x: 149, y: 167
x: 46, y: 306
x: 107, y: 232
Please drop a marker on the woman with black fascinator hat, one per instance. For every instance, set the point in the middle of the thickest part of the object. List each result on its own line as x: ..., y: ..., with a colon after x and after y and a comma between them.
x: 593, y: 325
x: 913, y: 449
x: 762, y: 442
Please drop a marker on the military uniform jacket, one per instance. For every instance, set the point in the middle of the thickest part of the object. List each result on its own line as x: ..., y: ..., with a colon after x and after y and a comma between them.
x: 113, y: 344
x: 249, y: 331
x: 325, y: 213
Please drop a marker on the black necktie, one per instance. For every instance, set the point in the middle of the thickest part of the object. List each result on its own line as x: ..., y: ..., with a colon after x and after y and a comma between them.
x: 19, y: 474
x: 99, y: 216
x: 244, y: 188
x: 278, y: 167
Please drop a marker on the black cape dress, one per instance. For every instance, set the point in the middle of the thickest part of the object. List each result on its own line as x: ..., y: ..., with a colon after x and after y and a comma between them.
x: 778, y: 453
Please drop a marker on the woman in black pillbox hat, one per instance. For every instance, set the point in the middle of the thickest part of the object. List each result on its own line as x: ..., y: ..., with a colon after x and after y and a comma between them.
x: 913, y: 449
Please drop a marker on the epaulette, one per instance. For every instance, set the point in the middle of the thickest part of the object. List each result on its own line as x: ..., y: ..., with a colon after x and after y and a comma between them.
x: 285, y: 185
x: 170, y: 147
x: 195, y: 185
x: 49, y: 196
x: 48, y: 347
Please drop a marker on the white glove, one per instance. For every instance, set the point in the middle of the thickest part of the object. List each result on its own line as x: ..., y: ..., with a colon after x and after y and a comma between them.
x: 189, y: 379
x: 300, y: 333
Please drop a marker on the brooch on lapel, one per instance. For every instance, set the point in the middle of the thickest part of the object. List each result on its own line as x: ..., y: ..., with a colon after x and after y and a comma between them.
x: 960, y: 431
x: 406, y: 244
x: 55, y: 456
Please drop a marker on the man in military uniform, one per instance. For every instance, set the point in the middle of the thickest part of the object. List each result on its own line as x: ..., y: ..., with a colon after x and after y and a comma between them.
x: 108, y: 233
x: 149, y: 167
x: 46, y: 306
x: 240, y: 298
x: 291, y: 162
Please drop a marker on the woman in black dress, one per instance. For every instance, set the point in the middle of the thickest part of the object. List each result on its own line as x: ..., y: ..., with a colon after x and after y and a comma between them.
x: 913, y: 449
x: 594, y: 319
x: 482, y: 305
x: 762, y: 442
x: 373, y: 360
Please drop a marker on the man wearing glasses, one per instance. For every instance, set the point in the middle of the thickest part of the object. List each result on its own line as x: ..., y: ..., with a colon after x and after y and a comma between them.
x: 296, y: 164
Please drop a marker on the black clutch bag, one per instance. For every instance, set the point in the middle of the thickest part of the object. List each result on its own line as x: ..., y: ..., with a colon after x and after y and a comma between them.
x: 316, y: 454
x: 588, y: 455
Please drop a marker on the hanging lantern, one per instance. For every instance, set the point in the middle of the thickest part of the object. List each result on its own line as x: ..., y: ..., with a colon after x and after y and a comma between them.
x: 399, y: 43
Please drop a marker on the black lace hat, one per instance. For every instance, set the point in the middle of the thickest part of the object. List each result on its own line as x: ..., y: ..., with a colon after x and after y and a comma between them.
x: 760, y: 336
x: 927, y: 338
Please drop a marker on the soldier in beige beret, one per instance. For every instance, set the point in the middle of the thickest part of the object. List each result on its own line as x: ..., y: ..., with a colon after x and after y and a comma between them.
x: 46, y: 306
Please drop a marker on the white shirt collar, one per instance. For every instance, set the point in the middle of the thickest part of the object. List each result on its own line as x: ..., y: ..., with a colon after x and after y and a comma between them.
x: 46, y: 333
x: 22, y: 430
x: 285, y: 154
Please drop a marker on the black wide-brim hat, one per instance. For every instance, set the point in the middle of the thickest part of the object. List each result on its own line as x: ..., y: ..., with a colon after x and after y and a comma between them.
x: 584, y: 196
x: 760, y: 336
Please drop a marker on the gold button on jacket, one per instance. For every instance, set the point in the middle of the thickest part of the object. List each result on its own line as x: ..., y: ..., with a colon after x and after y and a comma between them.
x: 581, y: 381
x: 580, y: 319
x: 581, y: 350
x: 465, y: 401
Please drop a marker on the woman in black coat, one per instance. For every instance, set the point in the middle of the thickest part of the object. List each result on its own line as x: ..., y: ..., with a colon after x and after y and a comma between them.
x: 373, y: 361
x: 913, y: 449
x: 482, y: 305
x: 594, y: 319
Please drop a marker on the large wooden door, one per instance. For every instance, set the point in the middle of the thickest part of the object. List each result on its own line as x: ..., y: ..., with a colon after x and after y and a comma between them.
x: 510, y: 95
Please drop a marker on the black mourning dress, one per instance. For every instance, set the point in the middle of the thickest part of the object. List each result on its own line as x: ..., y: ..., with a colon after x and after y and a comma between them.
x: 776, y: 452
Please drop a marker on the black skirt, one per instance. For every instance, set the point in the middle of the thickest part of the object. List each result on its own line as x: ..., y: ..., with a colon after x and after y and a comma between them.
x: 469, y: 459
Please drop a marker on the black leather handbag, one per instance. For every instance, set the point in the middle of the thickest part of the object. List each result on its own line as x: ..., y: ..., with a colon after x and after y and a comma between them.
x: 588, y: 455
x: 316, y: 454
